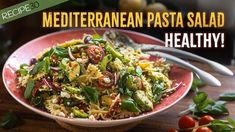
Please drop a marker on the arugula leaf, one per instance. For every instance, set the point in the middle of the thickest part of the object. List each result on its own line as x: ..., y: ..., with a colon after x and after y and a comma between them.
x: 9, y: 120
x: 29, y: 89
x: 138, y: 71
x: 157, y: 88
x: 227, y: 97
x: 90, y: 93
x: 130, y: 105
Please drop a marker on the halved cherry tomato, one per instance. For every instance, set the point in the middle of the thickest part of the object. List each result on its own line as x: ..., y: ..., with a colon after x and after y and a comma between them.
x: 186, y: 122
x: 203, y: 129
x: 95, y: 54
x: 205, y: 120
x: 107, y: 80
x: 172, y: 130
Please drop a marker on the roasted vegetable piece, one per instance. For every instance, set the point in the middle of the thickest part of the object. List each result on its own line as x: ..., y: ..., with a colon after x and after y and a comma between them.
x: 107, y: 80
x: 79, y: 113
x: 115, y: 53
x: 134, y: 83
x: 105, y: 61
x: 95, y: 54
x: 142, y: 100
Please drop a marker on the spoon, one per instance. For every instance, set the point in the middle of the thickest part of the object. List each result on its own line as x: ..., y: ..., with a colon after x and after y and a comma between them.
x: 204, y: 76
x: 121, y: 39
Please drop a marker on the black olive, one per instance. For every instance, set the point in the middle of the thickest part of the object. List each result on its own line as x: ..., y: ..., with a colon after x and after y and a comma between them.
x: 33, y: 61
x: 87, y: 39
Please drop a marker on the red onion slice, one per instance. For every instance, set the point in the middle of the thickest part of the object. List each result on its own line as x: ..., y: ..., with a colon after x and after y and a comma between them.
x: 55, y: 68
x: 70, y: 54
x: 46, y: 83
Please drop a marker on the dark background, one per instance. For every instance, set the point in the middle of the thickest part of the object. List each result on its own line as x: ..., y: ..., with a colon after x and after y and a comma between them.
x: 18, y: 32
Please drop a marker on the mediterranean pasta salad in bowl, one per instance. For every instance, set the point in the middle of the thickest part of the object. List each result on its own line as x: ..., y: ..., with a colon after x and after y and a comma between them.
x: 82, y: 78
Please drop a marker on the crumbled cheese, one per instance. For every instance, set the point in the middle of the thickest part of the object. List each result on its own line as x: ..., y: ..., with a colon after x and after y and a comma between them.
x: 64, y: 94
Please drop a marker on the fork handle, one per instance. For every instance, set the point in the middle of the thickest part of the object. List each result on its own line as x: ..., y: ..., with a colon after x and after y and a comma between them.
x: 204, y: 76
x: 187, y: 55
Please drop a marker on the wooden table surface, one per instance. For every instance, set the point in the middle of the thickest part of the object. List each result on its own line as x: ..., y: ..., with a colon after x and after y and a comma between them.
x: 158, y: 123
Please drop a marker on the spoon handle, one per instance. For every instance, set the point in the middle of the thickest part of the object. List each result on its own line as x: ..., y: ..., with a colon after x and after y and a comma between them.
x: 204, y: 76
x: 187, y: 55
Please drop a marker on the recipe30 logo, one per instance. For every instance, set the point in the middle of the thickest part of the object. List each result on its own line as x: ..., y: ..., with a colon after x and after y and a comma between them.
x: 26, y: 8
x: 20, y: 10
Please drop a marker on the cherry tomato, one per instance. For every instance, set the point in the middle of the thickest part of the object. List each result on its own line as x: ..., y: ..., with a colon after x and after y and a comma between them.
x: 95, y: 54
x: 205, y: 120
x: 107, y: 80
x: 172, y: 130
x: 203, y: 129
x: 186, y: 122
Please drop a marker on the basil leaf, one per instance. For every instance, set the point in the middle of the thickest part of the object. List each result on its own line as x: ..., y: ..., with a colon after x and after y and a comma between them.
x: 63, y: 63
x: 29, y: 89
x: 37, y: 68
x: 37, y: 101
x: 220, y: 126
x: 129, y: 105
x: 122, y: 84
x: 9, y: 120
x: 138, y: 71
x: 231, y: 122
x: 157, y: 89
x: 197, y: 83
x: 227, y: 97
x: 46, y: 64
x: 200, y: 97
x: 91, y: 94
x: 217, y: 108
x: 61, y: 52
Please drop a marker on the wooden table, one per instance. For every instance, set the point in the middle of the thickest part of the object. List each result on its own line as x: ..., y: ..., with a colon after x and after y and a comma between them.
x: 159, y: 123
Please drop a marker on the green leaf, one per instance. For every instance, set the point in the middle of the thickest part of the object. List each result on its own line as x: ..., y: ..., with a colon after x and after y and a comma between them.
x: 105, y: 61
x: 37, y: 101
x: 91, y: 94
x: 197, y: 83
x: 63, y: 63
x: 29, y: 89
x: 9, y: 120
x: 61, y: 52
x: 157, y: 88
x: 37, y: 68
x: 129, y: 105
x: 227, y: 97
x: 47, y: 54
x: 231, y: 122
x: 199, y: 98
x: 220, y: 126
x: 138, y: 71
x: 43, y: 65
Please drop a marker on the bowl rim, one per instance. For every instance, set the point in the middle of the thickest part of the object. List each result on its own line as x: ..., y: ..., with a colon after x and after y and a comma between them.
x: 48, y: 115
